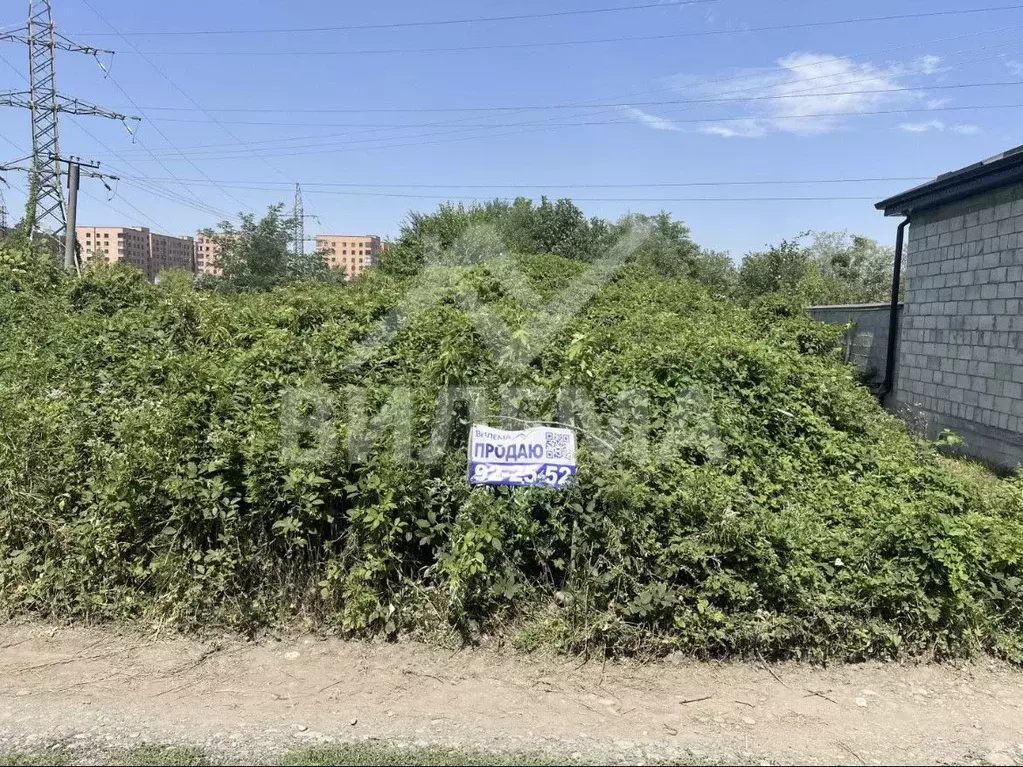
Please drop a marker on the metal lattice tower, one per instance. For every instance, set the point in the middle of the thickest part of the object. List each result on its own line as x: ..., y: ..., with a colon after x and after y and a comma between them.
x: 45, y: 103
x: 46, y: 173
x: 299, y: 215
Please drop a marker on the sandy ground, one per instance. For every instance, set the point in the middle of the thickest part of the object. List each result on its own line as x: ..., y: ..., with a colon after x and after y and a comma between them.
x: 243, y: 700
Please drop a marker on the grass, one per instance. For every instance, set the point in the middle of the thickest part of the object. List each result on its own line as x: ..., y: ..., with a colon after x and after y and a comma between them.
x: 380, y: 754
x: 33, y: 756
x: 160, y: 755
x: 347, y: 754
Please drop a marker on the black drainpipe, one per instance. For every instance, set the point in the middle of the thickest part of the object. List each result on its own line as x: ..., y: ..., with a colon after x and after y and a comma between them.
x: 893, y: 319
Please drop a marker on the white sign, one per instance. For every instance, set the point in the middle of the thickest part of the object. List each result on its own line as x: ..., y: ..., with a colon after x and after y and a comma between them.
x: 541, y: 456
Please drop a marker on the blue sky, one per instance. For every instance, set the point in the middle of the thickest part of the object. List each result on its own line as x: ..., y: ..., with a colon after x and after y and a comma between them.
x: 769, y: 106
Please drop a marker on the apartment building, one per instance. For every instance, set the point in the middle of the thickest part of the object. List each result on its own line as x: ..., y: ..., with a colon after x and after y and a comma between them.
x: 207, y: 253
x: 351, y: 252
x: 138, y: 246
x: 115, y: 243
x: 166, y: 252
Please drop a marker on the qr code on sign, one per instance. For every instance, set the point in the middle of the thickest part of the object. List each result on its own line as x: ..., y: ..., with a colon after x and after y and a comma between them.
x: 558, y: 446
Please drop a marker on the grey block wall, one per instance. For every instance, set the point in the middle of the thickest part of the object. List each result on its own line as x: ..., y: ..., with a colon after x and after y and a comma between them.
x: 961, y: 346
x: 866, y: 342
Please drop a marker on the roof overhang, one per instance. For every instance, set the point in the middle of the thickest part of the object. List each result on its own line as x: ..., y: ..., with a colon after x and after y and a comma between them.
x: 1001, y: 170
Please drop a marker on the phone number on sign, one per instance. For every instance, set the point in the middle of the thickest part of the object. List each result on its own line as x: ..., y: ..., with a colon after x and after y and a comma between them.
x: 545, y: 475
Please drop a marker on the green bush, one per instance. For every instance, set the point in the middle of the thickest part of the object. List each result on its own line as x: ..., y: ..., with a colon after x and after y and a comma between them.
x: 144, y: 474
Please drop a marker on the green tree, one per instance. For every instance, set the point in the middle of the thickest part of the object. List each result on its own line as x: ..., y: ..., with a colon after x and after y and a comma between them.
x: 257, y: 254
x: 853, y: 269
x: 833, y: 268
x: 779, y: 269
x: 671, y: 251
x: 522, y: 227
x: 423, y: 235
x: 716, y: 270
x: 308, y: 265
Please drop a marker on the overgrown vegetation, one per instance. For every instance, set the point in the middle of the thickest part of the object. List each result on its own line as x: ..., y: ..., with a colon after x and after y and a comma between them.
x: 147, y: 472
x: 812, y: 268
x: 260, y: 254
x: 830, y: 269
x: 557, y: 228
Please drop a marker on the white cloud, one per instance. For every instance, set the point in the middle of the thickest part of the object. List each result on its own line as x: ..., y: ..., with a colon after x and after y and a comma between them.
x: 936, y: 125
x: 937, y: 103
x: 1015, y: 67
x: 810, y: 93
x: 736, y: 128
x: 653, y: 121
x: 965, y: 129
x: 928, y: 65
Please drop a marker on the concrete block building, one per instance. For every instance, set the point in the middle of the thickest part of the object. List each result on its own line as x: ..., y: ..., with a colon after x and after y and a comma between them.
x: 960, y: 360
x: 865, y: 343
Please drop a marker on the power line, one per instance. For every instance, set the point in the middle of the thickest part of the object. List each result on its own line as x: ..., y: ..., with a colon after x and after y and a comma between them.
x: 562, y: 43
x: 740, y: 77
x: 174, y: 197
x: 163, y: 135
x: 592, y: 199
x: 177, y: 198
x: 269, y: 185
x: 163, y: 195
x: 157, y: 128
x: 585, y: 105
x: 182, y: 91
x: 112, y: 153
x: 362, y: 143
x: 405, y: 24
x: 713, y: 81
x: 107, y: 203
x: 541, y: 107
x: 114, y: 208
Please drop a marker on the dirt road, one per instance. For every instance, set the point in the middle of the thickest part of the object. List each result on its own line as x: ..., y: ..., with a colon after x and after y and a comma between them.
x: 241, y: 700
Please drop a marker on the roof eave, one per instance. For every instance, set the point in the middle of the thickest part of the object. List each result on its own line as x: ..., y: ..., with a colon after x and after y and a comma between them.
x: 955, y: 186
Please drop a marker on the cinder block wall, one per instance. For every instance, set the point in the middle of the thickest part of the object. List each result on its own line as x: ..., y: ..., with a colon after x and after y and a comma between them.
x: 961, y: 358
x: 866, y: 342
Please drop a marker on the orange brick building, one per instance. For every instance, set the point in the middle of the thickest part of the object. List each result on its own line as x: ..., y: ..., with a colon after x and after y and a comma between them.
x: 351, y: 252
x: 137, y: 246
x: 115, y: 243
x: 166, y: 252
x: 206, y: 254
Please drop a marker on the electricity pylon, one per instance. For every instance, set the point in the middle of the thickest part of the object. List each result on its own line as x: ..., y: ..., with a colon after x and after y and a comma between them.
x: 45, y: 103
x: 299, y: 215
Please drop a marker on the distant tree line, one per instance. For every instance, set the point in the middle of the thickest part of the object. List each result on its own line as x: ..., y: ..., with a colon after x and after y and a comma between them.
x: 812, y: 268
